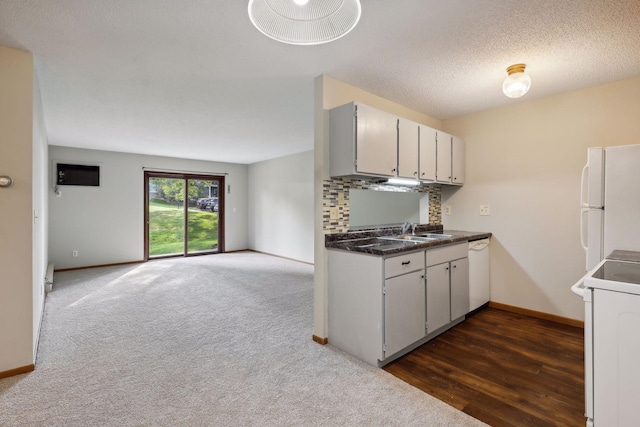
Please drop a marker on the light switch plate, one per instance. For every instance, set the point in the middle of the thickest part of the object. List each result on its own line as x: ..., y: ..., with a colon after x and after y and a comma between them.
x: 447, y: 210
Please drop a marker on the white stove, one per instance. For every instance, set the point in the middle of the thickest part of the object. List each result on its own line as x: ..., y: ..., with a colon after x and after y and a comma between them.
x: 611, y: 292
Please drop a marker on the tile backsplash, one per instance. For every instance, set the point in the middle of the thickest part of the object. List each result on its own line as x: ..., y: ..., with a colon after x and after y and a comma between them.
x: 335, y: 189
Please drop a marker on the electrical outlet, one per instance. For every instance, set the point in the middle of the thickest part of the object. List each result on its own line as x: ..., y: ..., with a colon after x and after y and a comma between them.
x: 334, y: 213
x: 74, y: 253
x: 484, y: 210
x: 447, y: 210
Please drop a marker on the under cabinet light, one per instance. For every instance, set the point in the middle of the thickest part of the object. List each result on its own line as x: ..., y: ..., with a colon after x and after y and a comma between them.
x: 400, y: 181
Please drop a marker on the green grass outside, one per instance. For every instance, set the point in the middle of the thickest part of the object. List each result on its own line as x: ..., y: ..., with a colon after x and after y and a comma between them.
x: 166, y: 229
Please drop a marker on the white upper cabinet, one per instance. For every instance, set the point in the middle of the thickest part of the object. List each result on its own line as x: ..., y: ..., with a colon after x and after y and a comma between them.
x: 363, y: 141
x: 457, y: 160
x: 377, y: 141
x: 450, y: 159
x: 416, y: 151
x: 427, y: 153
x: 443, y: 171
x: 408, y: 148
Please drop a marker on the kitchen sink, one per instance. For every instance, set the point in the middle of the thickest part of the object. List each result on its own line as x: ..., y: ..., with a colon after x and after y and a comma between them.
x: 408, y: 237
x: 387, y: 243
x: 436, y: 236
x: 401, y: 241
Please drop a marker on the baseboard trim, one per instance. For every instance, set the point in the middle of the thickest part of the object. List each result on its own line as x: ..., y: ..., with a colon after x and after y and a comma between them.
x: 18, y: 371
x: 101, y: 265
x: 279, y: 256
x: 321, y: 341
x: 538, y: 314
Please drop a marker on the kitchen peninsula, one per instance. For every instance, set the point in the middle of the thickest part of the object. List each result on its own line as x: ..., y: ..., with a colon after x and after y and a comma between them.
x: 390, y: 292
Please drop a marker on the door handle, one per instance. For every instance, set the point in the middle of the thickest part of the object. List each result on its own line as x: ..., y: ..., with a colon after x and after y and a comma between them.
x: 583, y: 180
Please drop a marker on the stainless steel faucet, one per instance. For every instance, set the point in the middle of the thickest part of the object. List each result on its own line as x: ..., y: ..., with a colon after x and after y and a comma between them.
x: 405, y: 227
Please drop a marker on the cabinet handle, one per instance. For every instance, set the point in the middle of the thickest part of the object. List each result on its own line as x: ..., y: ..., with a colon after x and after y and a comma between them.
x: 454, y: 266
x: 393, y: 170
x: 406, y: 262
x: 446, y: 269
x: 422, y: 173
x: 415, y: 173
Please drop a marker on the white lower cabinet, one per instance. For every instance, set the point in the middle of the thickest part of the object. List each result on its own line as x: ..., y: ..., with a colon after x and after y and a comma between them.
x: 447, y: 285
x: 381, y: 308
x: 404, y: 311
x: 438, y: 294
x: 459, y: 288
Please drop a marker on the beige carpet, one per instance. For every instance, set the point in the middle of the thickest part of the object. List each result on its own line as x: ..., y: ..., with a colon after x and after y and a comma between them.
x: 221, y: 340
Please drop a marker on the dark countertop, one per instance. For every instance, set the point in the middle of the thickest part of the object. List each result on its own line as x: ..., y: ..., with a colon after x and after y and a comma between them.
x: 369, y: 241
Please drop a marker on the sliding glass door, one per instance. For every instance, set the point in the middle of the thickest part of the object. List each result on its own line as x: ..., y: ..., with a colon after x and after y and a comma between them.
x: 184, y: 214
x: 203, y: 219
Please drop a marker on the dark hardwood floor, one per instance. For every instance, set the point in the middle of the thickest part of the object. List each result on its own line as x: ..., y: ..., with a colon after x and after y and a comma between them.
x: 503, y: 368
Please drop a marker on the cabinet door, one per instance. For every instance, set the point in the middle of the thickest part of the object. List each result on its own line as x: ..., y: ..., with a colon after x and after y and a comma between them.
x: 438, y: 297
x: 443, y: 157
x: 376, y: 142
x: 427, y: 153
x: 408, y: 149
x: 459, y: 288
x: 457, y: 160
x: 404, y: 311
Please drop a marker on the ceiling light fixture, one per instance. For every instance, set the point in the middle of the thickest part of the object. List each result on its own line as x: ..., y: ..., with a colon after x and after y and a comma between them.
x: 304, y: 22
x: 517, y: 82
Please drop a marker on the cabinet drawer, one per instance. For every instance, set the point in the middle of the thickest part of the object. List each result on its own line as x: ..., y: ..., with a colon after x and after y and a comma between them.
x: 447, y: 253
x: 403, y: 264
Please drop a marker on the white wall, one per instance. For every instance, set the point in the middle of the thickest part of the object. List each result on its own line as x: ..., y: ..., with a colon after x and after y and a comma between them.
x: 40, y: 211
x: 105, y: 224
x: 525, y: 162
x: 281, y: 206
x: 16, y: 238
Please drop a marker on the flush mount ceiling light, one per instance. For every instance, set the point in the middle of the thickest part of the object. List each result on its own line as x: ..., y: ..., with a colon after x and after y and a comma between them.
x: 304, y: 22
x: 517, y: 82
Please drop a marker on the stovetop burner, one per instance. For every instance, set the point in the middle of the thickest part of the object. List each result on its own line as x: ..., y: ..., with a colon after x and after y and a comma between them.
x: 618, y: 271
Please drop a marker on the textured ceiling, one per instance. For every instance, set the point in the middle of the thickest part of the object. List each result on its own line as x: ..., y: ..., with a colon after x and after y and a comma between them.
x: 194, y: 78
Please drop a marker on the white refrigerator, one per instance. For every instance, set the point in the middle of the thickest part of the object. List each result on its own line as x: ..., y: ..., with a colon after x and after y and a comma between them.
x: 609, y: 221
x: 610, y: 202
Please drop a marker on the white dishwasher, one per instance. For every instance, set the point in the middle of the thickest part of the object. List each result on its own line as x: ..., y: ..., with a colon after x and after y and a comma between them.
x: 479, y: 290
